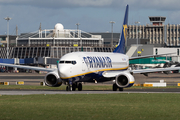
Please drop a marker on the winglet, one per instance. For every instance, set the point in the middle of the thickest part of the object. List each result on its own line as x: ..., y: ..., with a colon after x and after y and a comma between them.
x: 121, y: 46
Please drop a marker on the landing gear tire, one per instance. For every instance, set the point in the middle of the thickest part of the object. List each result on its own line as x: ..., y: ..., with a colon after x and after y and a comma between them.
x: 115, y: 87
x: 74, y: 86
x: 120, y: 89
x: 79, y: 87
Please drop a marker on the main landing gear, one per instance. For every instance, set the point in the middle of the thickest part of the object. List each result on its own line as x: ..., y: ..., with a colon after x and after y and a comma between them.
x: 115, y: 87
x: 74, y: 86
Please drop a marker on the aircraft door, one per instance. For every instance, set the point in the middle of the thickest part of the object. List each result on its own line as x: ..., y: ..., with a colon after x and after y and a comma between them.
x: 83, y: 65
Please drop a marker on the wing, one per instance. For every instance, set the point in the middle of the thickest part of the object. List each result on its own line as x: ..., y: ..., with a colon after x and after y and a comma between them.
x: 154, y: 70
x: 28, y: 67
x: 109, y: 74
x: 147, y: 56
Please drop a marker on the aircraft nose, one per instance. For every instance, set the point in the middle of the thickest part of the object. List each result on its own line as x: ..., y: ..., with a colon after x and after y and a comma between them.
x: 64, y: 70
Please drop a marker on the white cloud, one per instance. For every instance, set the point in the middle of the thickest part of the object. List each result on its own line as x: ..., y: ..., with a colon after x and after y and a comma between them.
x: 174, y: 17
x: 59, y: 3
x: 137, y: 4
x: 91, y: 2
x: 152, y: 4
x: 28, y: 14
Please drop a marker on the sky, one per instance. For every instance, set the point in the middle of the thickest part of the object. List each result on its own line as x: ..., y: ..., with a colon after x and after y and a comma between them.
x: 93, y: 15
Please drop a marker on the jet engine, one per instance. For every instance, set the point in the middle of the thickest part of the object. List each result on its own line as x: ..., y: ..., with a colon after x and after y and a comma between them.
x: 124, y: 79
x: 52, y: 79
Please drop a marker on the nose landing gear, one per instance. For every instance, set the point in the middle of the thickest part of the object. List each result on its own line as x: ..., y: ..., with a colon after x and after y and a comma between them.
x: 69, y: 88
x: 74, y: 86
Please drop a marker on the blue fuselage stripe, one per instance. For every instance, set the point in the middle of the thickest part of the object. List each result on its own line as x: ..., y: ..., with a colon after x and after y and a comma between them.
x: 90, y: 76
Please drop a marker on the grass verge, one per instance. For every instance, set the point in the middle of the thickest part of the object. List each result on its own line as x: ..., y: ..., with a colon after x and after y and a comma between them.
x: 90, y: 106
x: 63, y: 87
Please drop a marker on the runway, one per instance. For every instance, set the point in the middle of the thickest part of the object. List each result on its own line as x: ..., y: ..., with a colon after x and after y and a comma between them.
x: 35, y: 79
x: 126, y: 91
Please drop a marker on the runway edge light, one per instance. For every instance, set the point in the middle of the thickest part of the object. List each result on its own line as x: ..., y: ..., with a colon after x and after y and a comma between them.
x: 1, y: 83
x: 6, y: 83
x: 42, y: 83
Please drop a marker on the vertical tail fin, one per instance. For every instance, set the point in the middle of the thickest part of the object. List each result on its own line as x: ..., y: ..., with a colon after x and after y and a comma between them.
x: 121, y: 46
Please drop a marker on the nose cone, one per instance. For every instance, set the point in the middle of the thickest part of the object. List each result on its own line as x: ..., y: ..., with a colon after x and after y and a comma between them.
x: 64, y: 71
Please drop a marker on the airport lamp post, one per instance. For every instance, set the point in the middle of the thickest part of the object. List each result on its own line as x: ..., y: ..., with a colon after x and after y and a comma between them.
x: 137, y: 35
x: 112, y: 22
x: 7, y: 18
x: 77, y: 28
x: 79, y: 35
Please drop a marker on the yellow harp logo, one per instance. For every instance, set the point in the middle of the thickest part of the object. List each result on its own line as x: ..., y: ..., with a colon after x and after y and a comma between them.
x: 125, y: 31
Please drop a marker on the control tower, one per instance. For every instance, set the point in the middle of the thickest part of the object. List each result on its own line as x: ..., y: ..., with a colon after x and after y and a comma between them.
x: 157, y: 20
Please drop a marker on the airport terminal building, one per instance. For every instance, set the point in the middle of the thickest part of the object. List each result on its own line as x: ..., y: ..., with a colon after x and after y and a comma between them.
x: 157, y: 33
x: 57, y: 42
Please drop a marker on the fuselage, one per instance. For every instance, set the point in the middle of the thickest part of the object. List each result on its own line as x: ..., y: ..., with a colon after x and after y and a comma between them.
x: 89, y: 66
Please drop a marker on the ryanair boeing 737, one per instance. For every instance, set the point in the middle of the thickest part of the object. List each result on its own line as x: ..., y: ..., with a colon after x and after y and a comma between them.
x: 77, y: 67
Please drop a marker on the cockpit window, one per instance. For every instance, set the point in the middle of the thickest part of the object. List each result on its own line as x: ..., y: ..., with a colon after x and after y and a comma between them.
x: 73, y: 62
x: 67, y: 62
x: 61, y: 61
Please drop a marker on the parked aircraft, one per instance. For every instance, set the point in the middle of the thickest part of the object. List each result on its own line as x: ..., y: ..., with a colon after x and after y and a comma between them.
x: 77, y: 67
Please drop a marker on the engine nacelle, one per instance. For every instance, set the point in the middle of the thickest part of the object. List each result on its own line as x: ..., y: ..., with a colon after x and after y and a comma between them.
x: 52, y: 79
x: 124, y: 79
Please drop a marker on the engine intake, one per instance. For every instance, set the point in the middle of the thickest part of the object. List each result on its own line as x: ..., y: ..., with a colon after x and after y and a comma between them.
x: 52, y: 79
x: 124, y: 80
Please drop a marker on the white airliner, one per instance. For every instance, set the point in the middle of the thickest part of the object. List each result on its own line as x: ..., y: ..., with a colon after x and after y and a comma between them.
x: 77, y: 67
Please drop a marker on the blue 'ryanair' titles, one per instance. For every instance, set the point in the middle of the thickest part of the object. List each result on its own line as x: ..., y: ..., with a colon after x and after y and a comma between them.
x: 98, y: 62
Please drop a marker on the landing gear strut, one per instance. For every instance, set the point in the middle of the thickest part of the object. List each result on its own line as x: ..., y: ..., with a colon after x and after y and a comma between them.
x: 69, y: 87
x: 115, y: 87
